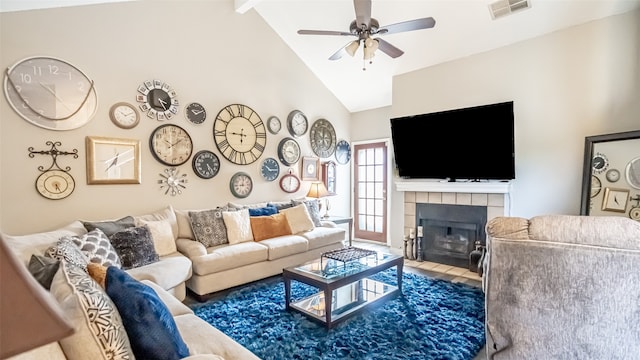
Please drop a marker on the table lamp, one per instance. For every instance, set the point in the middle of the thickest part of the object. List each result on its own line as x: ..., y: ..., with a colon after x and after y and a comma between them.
x: 29, y: 315
x: 318, y: 190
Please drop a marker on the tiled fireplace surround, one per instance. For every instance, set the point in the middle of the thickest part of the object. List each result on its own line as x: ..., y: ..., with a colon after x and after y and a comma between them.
x: 493, y: 195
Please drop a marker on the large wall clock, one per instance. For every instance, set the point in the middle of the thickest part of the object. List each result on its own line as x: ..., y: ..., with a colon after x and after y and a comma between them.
x: 50, y: 93
x: 158, y: 100
x: 239, y: 134
x: 171, y: 145
x: 323, y: 138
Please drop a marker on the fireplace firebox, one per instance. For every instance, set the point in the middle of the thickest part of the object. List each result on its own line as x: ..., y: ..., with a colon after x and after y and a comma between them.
x: 450, y: 232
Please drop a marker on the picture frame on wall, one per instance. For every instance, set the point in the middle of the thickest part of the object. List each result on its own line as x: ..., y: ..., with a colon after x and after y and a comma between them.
x: 610, y: 164
x: 310, y: 168
x: 112, y: 160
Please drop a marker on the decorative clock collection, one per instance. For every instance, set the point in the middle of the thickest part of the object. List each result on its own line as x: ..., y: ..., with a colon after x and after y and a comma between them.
x: 56, y: 95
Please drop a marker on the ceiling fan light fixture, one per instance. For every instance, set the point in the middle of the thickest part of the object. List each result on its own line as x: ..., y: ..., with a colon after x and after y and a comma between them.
x: 370, y: 47
x: 352, y: 47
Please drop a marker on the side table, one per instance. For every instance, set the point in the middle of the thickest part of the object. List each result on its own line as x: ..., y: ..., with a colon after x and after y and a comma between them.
x: 342, y: 220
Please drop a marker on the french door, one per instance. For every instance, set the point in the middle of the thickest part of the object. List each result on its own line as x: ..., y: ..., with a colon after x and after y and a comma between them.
x: 370, y: 196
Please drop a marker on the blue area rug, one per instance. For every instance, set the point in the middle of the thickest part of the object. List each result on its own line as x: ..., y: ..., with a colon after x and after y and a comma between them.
x: 435, y: 319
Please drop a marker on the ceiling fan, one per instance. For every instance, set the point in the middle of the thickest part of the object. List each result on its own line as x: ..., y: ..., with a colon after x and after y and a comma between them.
x: 364, y: 27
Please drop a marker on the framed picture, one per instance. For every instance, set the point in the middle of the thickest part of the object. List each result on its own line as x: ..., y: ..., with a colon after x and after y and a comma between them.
x: 611, y: 174
x: 112, y: 161
x: 615, y: 200
x: 310, y: 168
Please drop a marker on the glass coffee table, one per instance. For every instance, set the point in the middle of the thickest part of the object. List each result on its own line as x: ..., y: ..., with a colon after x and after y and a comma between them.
x: 344, y: 286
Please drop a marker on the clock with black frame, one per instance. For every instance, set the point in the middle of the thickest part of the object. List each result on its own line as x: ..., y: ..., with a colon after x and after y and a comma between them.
x: 157, y: 99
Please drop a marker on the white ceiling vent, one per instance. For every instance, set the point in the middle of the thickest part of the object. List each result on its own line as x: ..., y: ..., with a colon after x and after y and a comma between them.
x: 502, y: 8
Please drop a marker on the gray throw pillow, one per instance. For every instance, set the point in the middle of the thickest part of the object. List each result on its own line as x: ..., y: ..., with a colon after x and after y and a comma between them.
x: 208, y: 227
x: 110, y: 227
x: 313, y: 207
x: 95, y: 245
x: 43, y: 269
x: 135, y: 247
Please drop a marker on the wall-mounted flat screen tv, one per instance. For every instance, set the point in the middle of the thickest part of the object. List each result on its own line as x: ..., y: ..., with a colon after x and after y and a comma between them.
x: 473, y: 143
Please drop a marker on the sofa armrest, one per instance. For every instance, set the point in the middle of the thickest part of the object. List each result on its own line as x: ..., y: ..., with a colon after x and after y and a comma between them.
x: 174, y: 305
x: 328, y: 224
x: 190, y: 248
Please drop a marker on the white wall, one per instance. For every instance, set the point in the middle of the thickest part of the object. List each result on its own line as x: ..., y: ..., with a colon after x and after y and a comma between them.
x: 205, y: 51
x: 567, y: 85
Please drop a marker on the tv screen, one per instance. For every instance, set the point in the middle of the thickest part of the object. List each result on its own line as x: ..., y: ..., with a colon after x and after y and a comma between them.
x: 474, y: 143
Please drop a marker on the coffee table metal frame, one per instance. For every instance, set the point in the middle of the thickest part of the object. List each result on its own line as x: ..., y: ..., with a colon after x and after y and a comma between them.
x: 327, y: 285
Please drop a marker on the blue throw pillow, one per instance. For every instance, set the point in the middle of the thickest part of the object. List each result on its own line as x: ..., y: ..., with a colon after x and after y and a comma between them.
x: 152, y: 332
x: 263, y: 211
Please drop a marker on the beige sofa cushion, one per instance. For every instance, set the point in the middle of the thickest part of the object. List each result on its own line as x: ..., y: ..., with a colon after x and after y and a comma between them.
x: 169, y: 272
x: 238, y: 226
x: 26, y: 245
x: 298, y: 218
x: 166, y: 213
x: 323, y: 236
x: 285, y: 245
x: 226, y: 257
x: 164, y: 240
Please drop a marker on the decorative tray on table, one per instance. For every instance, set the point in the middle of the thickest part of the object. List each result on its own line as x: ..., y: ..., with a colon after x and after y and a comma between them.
x: 347, y: 257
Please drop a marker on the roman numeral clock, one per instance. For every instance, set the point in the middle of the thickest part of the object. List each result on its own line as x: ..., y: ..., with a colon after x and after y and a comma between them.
x: 239, y: 134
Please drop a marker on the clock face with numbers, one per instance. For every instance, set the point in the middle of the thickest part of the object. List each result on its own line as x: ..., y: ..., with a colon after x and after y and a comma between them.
x: 239, y: 134
x: 323, y: 138
x: 241, y: 185
x: 171, y: 145
x: 270, y: 169
x: 195, y: 113
x: 205, y: 164
x: 157, y: 99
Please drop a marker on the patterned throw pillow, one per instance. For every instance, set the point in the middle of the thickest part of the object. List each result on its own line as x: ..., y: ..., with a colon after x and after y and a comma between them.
x: 313, y: 207
x: 110, y: 227
x: 135, y: 247
x: 95, y: 245
x: 65, y: 250
x: 99, y: 331
x: 208, y: 227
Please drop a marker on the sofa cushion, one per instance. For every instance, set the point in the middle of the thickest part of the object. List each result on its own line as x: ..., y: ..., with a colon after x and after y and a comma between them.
x: 236, y: 206
x: 313, y: 207
x: 110, y: 227
x: 164, y: 241
x: 238, y: 226
x: 135, y: 247
x: 96, y: 246
x: 145, y: 317
x: 282, y: 246
x: 298, y: 218
x: 26, y: 245
x: 263, y: 211
x: 226, y: 257
x: 208, y: 227
x: 66, y: 250
x: 323, y: 236
x: 171, y: 271
x: 43, y: 269
x: 282, y: 204
x: 99, y: 332
x: 166, y: 213
x: 267, y: 227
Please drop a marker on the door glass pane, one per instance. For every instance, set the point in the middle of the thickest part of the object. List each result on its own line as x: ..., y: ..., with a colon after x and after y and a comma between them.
x: 378, y: 224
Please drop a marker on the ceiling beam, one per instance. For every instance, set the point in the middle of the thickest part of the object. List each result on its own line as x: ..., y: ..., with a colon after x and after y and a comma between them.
x: 242, y: 6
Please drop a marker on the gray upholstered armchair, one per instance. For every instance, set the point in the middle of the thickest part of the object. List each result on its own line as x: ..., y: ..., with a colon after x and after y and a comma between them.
x: 563, y: 287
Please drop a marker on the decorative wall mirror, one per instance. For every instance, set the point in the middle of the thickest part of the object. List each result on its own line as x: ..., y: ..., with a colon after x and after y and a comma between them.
x: 611, y: 175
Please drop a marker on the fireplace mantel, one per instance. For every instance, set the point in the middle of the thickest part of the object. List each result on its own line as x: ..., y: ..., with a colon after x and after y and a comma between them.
x: 487, y: 187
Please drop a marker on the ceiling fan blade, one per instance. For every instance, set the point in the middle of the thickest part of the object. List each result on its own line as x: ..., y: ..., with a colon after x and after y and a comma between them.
x: 417, y: 24
x: 388, y: 49
x: 324, y: 32
x: 363, y: 12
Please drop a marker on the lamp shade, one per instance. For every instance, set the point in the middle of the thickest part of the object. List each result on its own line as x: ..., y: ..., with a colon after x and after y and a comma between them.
x: 29, y: 315
x: 370, y: 47
x: 317, y: 190
x: 352, y: 47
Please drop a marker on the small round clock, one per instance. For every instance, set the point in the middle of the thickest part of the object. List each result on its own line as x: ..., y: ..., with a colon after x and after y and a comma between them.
x: 205, y: 164
x: 270, y: 169
x: 632, y: 173
x: 343, y: 152
x: 297, y: 123
x: 171, y: 145
x: 55, y: 184
x: 124, y: 115
x: 323, y: 138
x: 274, y: 125
x: 241, y: 185
x: 195, y: 113
x: 239, y: 134
x: 288, y: 151
x: 612, y: 175
x: 289, y: 183
x: 50, y: 93
x: 157, y: 100
x: 600, y: 163
x: 634, y: 213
